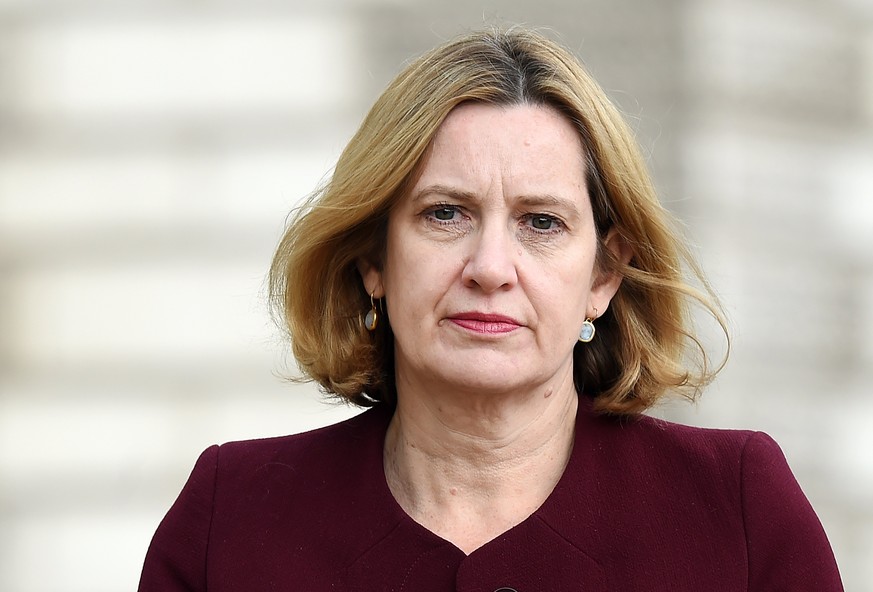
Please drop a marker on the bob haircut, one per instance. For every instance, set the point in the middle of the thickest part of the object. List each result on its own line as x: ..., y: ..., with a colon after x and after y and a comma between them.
x: 644, y: 338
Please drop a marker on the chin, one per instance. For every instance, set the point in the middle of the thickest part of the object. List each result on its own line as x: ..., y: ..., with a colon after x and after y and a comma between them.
x: 495, y: 376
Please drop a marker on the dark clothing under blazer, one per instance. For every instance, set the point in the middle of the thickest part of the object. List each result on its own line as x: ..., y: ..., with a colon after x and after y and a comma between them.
x: 643, y: 505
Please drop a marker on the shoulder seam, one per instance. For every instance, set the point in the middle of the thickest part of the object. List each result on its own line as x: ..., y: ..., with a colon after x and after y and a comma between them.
x: 751, y: 436
x: 211, y: 516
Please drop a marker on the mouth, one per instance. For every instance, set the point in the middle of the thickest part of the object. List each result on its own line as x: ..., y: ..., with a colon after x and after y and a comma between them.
x: 485, y: 323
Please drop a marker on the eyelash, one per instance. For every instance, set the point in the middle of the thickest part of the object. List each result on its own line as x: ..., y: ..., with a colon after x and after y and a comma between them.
x: 430, y: 214
x: 558, y: 225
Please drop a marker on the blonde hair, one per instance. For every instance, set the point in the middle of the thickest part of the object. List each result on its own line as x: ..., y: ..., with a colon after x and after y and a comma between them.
x: 642, y: 340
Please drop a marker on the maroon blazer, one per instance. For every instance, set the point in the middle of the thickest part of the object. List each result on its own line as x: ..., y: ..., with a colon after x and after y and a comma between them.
x: 643, y: 505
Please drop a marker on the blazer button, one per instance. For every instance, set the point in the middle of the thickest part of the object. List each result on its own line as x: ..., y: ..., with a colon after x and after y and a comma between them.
x: 506, y: 590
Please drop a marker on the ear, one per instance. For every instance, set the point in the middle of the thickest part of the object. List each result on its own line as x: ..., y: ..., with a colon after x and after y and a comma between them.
x: 372, y: 278
x: 606, y: 282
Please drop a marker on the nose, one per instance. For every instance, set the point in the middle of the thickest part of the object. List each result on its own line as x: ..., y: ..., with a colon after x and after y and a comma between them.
x: 491, y: 263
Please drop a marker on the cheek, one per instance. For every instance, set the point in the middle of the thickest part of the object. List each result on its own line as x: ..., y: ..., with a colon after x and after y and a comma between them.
x: 411, y: 281
x: 572, y: 293
x: 393, y: 260
x: 560, y: 296
x: 573, y: 276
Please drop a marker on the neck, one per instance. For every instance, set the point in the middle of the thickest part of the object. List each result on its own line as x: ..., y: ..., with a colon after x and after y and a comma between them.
x: 470, y: 468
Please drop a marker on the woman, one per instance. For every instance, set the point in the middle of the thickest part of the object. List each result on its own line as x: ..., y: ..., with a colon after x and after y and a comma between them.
x: 489, y: 214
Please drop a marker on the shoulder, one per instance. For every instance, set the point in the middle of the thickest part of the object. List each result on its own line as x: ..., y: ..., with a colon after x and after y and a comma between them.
x: 259, y: 469
x: 742, y: 453
x: 655, y: 455
x: 660, y: 442
x: 337, y: 438
x: 276, y: 492
x: 299, y: 460
x: 742, y: 474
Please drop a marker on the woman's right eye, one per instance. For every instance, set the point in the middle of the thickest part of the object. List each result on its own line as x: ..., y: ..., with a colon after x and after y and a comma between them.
x: 444, y: 213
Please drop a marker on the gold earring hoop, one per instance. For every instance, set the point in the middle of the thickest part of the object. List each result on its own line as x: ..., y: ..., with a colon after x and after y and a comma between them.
x: 371, y: 319
x: 586, y: 333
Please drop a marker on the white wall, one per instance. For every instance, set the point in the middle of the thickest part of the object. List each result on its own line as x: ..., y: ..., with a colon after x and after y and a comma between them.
x: 150, y: 151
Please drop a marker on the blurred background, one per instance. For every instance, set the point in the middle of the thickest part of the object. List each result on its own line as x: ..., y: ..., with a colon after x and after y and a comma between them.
x: 151, y: 149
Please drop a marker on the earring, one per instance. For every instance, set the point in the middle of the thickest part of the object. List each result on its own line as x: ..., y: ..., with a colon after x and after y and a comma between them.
x: 586, y: 334
x: 371, y: 319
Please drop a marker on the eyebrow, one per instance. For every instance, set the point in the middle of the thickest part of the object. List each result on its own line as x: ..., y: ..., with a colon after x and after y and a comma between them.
x: 544, y: 199
x: 452, y: 192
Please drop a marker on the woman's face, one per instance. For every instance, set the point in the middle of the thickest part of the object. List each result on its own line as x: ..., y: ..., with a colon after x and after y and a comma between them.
x: 490, y: 262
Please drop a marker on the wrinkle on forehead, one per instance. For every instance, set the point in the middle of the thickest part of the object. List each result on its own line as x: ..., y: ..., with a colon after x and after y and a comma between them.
x: 482, y: 150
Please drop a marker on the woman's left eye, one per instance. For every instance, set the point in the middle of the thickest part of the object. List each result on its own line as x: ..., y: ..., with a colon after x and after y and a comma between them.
x: 543, y: 222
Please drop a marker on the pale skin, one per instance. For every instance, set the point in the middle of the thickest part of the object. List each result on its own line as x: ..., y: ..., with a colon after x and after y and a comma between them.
x: 490, y: 270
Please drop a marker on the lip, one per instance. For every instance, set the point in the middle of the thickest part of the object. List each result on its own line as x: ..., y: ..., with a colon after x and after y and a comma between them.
x: 485, y: 323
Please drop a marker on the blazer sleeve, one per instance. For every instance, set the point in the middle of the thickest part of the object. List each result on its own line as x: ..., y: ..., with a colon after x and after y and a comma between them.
x: 176, y: 559
x: 787, y: 546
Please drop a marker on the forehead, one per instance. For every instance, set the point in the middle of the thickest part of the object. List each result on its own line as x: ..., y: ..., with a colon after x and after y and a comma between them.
x: 527, y: 146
